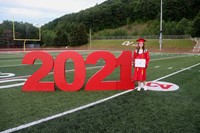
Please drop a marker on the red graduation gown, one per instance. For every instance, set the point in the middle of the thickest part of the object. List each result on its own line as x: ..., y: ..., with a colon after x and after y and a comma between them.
x: 140, y: 73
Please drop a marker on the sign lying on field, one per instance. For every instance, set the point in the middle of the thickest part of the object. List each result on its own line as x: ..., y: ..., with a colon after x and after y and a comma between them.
x: 95, y: 82
x: 161, y: 86
x: 6, y: 75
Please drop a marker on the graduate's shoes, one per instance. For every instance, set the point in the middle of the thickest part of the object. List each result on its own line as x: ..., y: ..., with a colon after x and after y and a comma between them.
x: 139, y: 88
x: 145, y: 88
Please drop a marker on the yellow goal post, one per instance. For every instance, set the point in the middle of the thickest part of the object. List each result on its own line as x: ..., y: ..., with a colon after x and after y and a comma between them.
x: 25, y: 39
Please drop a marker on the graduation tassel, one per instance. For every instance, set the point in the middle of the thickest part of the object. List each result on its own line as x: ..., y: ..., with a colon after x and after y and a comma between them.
x: 142, y: 58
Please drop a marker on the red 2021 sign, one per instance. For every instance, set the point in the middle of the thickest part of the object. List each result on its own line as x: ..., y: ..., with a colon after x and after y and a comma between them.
x: 96, y: 82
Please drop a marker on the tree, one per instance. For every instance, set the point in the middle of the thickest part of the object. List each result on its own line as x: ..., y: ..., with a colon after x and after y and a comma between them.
x: 196, y: 26
x: 117, y: 13
x: 48, y: 37
x: 78, y: 36
x: 169, y: 28
x: 182, y: 26
x: 7, y: 38
x: 61, y: 38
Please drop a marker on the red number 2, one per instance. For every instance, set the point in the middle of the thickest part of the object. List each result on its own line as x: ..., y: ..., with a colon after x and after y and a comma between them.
x: 33, y: 84
x: 95, y: 82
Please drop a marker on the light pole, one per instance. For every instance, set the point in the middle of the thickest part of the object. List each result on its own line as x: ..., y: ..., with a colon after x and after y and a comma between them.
x: 161, y: 25
x: 90, y: 32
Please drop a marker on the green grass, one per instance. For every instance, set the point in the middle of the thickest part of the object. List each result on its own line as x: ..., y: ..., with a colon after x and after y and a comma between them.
x: 149, y: 111
x: 138, y: 112
x: 173, y: 45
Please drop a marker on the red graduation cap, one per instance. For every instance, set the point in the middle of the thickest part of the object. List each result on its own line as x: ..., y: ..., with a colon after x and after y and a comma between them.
x: 141, y: 40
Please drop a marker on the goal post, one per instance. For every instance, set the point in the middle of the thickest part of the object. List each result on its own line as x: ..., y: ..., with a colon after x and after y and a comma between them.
x: 26, y: 39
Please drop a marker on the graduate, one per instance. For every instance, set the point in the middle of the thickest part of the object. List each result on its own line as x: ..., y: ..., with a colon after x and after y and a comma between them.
x: 140, y: 63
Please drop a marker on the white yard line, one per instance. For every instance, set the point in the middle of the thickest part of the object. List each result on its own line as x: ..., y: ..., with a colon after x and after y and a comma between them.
x: 151, y: 60
x: 85, y: 106
x: 188, y: 68
x: 86, y: 68
x: 11, y: 60
x: 23, y: 64
x: 12, y: 85
x: 16, y: 65
x: 25, y: 76
x: 83, y: 54
x: 170, y: 57
x: 170, y: 67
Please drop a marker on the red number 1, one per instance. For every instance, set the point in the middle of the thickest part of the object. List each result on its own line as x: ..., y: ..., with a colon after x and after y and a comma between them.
x: 124, y: 61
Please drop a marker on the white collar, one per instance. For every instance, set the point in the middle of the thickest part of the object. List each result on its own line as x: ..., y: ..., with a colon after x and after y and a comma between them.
x: 140, y: 51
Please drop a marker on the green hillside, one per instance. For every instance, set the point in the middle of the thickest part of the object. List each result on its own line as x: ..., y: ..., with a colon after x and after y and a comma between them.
x: 119, y: 18
x: 127, y: 17
x: 116, y: 13
x: 172, y: 45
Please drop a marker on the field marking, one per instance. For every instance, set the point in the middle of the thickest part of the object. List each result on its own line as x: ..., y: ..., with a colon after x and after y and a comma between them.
x: 157, y: 66
x: 10, y: 60
x: 85, y: 106
x: 151, y: 60
x: 87, y: 68
x: 23, y: 64
x: 5, y: 75
x: 171, y: 57
x: 188, y: 68
x: 170, y: 67
x: 21, y: 58
x: 12, y: 85
x: 25, y: 76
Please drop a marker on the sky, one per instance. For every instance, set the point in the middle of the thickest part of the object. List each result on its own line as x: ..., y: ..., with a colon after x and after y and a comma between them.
x: 39, y: 12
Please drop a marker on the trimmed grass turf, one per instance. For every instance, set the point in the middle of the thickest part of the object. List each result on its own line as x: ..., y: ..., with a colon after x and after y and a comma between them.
x: 19, y: 108
x: 138, y: 111
x: 151, y: 44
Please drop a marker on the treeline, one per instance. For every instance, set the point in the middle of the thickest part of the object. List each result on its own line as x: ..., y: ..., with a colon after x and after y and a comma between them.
x: 116, y: 13
x: 151, y: 27
x: 65, y: 35
x: 179, y: 17
x: 22, y: 31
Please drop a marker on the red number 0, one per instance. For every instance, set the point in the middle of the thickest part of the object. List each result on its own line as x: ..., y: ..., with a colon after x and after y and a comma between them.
x: 79, y: 71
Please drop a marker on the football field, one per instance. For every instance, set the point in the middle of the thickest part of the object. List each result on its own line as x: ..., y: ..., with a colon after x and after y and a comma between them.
x: 102, y: 111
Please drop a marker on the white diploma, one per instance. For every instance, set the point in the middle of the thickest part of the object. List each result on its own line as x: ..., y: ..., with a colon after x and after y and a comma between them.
x: 140, y: 63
